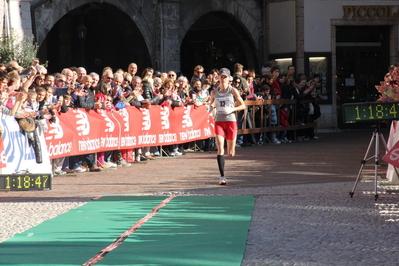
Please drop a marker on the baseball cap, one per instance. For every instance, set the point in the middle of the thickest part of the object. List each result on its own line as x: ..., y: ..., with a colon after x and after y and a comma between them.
x: 224, y: 72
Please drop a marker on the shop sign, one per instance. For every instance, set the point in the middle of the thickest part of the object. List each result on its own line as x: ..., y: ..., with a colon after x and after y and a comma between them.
x: 371, y: 11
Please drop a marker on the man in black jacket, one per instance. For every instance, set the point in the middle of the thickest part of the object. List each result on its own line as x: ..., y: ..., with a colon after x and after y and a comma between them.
x: 84, y: 99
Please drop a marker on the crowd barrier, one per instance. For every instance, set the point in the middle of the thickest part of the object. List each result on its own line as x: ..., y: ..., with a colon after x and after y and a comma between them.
x: 79, y: 131
x: 257, y: 117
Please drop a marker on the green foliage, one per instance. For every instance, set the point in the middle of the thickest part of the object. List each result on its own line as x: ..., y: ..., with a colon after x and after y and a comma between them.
x: 14, y: 48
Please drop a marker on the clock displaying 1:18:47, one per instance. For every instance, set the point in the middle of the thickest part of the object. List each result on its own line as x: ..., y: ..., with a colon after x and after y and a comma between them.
x: 25, y: 182
x: 363, y: 112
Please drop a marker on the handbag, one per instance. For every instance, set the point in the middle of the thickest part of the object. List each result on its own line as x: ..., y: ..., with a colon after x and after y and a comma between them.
x: 27, y: 124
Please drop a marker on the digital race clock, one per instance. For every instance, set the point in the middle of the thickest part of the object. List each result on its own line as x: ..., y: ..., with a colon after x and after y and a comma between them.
x: 25, y: 182
x: 362, y: 112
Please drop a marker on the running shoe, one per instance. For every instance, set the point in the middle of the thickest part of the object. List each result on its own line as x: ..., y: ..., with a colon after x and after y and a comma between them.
x: 222, y: 181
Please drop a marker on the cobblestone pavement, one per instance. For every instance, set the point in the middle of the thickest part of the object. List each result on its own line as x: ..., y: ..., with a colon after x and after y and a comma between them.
x: 303, y: 213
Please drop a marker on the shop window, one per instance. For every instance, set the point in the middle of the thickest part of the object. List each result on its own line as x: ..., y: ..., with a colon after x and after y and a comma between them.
x: 319, y: 65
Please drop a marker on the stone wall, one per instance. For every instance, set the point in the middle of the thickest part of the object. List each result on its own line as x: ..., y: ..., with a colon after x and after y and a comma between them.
x: 162, y: 23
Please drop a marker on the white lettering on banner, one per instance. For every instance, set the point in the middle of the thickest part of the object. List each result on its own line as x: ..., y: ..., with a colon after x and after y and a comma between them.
x: 147, y: 139
x: 109, y: 124
x: 125, y: 115
x: 187, y: 122
x: 207, y: 132
x: 394, y: 156
x: 55, y: 130
x: 193, y: 134
x: 59, y: 148
x: 83, y: 121
x: 109, y: 142
x: 183, y: 136
x: 165, y: 117
x: 167, y: 137
x: 89, y: 144
x: 146, y: 119
x: 128, y: 141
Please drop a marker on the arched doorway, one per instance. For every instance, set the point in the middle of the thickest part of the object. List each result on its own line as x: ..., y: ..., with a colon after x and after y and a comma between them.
x: 217, y: 40
x: 111, y: 39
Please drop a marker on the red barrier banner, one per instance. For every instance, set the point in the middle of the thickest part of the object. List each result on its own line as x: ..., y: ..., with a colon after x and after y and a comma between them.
x: 79, y: 131
x: 3, y: 161
x: 392, y: 156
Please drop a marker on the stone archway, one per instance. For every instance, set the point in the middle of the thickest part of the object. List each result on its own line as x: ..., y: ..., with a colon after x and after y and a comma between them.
x: 217, y: 40
x: 112, y: 39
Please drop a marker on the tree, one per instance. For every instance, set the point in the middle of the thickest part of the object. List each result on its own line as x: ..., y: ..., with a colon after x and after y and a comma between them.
x: 14, y: 48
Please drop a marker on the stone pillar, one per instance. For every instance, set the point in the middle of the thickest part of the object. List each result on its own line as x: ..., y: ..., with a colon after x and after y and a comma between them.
x: 2, y: 15
x: 300, y: 36
x: 20, y: 17
x: 170, y: 40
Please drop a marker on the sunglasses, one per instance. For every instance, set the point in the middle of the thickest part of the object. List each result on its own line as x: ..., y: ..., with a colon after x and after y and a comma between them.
x: 199, y: 72
x: 61, y: 80
x: 125, y: 80
x: 238, y: 82
x: 110, y: 78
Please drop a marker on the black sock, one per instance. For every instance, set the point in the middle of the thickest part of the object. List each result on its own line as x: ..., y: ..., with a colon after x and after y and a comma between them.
x: 220, y: 159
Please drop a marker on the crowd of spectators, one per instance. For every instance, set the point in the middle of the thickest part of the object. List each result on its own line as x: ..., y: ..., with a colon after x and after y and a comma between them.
x: 32, y: 92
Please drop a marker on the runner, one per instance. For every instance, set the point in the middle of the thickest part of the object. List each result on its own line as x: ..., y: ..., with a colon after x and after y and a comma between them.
x: 224, y: 98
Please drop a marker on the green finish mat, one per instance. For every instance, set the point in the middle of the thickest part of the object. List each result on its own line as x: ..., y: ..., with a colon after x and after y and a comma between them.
x: 186, y: 230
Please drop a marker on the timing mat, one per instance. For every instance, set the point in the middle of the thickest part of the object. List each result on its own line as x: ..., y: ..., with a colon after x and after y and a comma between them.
x: 175, y: 230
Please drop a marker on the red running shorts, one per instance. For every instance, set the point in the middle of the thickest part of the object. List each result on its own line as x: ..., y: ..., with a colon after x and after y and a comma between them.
x: 226, y: 129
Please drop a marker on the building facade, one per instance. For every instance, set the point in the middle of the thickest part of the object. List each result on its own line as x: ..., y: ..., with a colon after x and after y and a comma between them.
x: 349, y: 44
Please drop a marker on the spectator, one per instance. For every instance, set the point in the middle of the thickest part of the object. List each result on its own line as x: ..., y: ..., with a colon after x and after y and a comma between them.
x: 250, y: 81
x: 275, y: 83
x: 198, y: 73
x: 266, y: 67
x: 148, y: 71
x: 50, y: 79
x: 38, y: 81
x: 102, y: 102
x: 213, y: 77
x: 60, y: 85
x: 243, y: 86
x: 132, y: 69
x: 84, y: 99
x: 157, y: 85
x: 127, y: 80
x: 172, y: 75
x: 291, y: 70
x: 171, y: 100
x: 118, y: 94
x: 68, y: 74
x: 81, y: 72
x: 96, y: 78
x: 300, y: 93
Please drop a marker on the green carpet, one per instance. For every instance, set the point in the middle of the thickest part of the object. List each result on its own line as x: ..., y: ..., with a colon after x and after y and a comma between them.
x: 188, y: 230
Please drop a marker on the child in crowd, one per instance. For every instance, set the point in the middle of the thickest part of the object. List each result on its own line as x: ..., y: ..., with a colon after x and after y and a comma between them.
x: 66, y: 103
x: 31, y: 104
